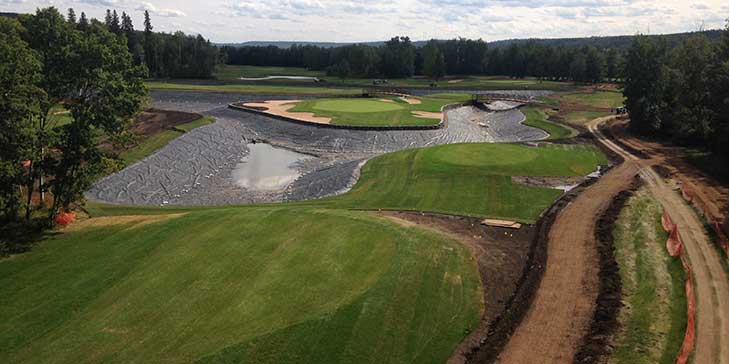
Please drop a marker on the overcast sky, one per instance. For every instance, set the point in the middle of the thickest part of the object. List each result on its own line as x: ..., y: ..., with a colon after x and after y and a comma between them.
x: 347, y: 21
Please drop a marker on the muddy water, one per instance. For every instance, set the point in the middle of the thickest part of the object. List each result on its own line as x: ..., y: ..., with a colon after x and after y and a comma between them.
x: 266, y: 168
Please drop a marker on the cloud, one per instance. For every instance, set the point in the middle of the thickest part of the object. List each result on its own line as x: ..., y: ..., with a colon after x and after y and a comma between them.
x: 166, y: 13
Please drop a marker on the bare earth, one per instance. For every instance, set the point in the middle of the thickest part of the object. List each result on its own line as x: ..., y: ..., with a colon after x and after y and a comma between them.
x: 282, y: 107
x: 710, y: 277
x: 564, y: 303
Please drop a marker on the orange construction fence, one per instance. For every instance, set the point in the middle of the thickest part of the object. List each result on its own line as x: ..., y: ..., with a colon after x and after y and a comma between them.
x: 721, y: 236
x: 689, y: 338
x: 674, y: 245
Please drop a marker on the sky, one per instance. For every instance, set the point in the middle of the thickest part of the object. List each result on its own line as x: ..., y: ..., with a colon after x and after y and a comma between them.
x: 374, y: 20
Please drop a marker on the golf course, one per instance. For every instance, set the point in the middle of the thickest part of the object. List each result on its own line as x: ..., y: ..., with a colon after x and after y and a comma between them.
x: 324, y: 283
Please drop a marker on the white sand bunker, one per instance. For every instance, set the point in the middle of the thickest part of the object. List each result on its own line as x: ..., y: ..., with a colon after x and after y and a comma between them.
x: 410, y: 100
x: 427, y: 114
x: 282, y: 107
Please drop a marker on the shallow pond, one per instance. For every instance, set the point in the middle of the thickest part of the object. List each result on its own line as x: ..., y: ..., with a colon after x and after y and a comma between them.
x: 267, y: 168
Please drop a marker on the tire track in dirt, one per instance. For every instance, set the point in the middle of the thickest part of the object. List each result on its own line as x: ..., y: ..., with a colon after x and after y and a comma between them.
x: 710, y: 277
x: 564, y: 303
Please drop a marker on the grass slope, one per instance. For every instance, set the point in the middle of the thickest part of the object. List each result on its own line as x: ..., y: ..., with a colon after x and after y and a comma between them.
x: 255, y: 89
x: 538, y: 119
x: 375, y: 112
x: 654, y: 318
x: 243, y: 285
x: 598, y: 99
x: 232, y: 73
x: 154, y: 142
x: 466, y: 179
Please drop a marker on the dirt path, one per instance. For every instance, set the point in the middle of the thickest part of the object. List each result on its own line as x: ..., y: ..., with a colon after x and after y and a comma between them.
x: 564, y: 303
x: 711, y: 280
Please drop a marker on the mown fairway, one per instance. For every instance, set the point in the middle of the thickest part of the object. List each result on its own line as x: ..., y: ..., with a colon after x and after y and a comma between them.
x: 467, y: 179
x: 242, y: 285
x: 386, y: 111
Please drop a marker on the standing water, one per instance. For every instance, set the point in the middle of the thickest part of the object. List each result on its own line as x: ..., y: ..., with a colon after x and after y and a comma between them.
x: 267, y: 168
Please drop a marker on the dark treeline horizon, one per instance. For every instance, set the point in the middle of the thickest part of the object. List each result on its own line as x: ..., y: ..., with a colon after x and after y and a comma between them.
x: 680, y: 93
x: 399, y: 57
x: 166, y: 55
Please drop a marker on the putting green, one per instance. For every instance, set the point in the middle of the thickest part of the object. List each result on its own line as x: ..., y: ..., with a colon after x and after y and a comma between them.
x: 356, y: 105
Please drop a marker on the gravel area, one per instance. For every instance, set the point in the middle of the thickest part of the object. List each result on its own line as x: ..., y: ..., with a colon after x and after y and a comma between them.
x: 195, y: 169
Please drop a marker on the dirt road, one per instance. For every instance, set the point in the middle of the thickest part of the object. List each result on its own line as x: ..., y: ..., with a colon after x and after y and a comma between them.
x: 564, y: 303
x: 711, y: 280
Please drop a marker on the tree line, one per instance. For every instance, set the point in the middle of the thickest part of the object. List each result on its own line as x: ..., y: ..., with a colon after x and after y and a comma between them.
x: 399, y: 58
x: 175, y: 55
x: 681, y: 93
x: 47, y: 61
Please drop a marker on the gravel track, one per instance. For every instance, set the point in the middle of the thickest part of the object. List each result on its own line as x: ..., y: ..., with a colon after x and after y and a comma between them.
x: 195, y: 169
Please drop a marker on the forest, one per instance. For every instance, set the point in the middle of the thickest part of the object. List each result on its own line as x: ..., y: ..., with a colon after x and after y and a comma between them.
x: 400, y: 57
x: 681, y: 93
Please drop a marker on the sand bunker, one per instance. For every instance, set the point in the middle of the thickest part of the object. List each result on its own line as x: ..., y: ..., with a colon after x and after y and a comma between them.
x: 282, y: 107
x: 427, y: 115
x: 410, y: 100
x: 456, y: 81
x: 386, y: 100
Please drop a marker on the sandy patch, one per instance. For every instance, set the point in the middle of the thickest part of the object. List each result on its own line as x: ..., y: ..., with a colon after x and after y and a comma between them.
x: 456, y: 81
x: 386, y: 100
x: 427, y: 115
x: 501, y: 223
x: 282, y: 107
x: 410, y: 100
x: 135, y: 220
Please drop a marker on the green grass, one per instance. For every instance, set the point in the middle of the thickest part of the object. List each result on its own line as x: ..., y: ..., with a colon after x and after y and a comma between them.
x: 466, y: 179
x: 599, y: 99
x: 232, y: 73
x: 154, y: 142
x: 58, y: 116
x: 308, y: 282
x: 582, y: 117
x: 537, y: 118
x: 375, y: 112
x: 242, y: 285
x: 654, y: 319
x: 255, y: 89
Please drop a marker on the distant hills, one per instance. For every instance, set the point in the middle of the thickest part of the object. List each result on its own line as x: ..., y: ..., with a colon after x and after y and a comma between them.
x: 9, y: 15
x: 619, y: 41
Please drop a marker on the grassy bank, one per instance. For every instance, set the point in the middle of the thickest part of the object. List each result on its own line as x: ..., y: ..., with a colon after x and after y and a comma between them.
x: 256, y: 89
x: 258, y: 285
x: 654, y: 317
x: 154, y: 142
x: 233, y: 73
x: 537, y: 118
x: 466, y: 179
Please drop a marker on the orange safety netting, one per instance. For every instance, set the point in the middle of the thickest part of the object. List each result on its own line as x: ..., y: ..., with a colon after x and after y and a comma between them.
x: 64, y: 218
x: 674, y: 243
x: 689, y: 338
x: 686, y: 193
x: 667, y: 222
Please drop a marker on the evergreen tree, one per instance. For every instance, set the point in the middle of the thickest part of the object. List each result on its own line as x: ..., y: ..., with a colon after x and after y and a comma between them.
x: 83, y: 23
x: 644, y: 82
x: 71, y: 16
x: 433, y: 62
x: 19, y: 107
x: 114, y: 26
